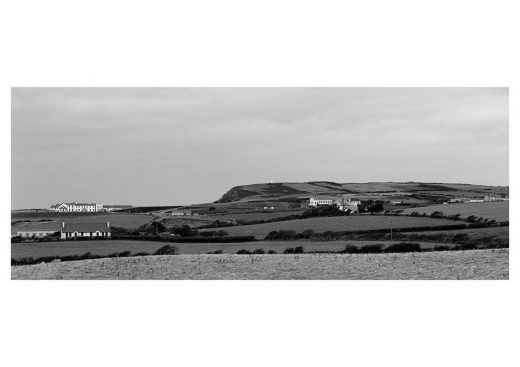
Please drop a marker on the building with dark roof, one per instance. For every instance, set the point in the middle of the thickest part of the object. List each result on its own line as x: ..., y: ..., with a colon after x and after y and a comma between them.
x: 85, y: 230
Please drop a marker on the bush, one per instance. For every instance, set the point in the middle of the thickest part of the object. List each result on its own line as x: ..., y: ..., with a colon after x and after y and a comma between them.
x: 404, y: 247
x: 271, y: 252
x: 184, y: 231
x: 465, y: 246
x: 243, y: 252
x: 471, y: 219
x: 288, y: 250
x: 441, y: 248
x: 167, y: 250
x: 349, y: 249
x: 307, y: 234
x: 259, y: 251
x: 216, y: 252
x: 371, y: 249
x: 298, y: 250
x: 141, y: 254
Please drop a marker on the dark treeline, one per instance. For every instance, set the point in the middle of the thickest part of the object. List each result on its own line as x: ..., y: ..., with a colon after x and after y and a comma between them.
x: 375, y: 234
x: 165, y: 250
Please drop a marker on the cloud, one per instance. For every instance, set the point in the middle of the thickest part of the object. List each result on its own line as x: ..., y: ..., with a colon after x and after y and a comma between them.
x: 190, y: 144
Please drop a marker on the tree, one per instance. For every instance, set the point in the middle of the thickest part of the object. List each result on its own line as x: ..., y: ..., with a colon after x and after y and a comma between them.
x: 375, y: 208
x: 184, y: 231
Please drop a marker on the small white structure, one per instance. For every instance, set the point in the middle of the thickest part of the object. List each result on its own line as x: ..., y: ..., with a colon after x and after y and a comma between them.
x: 78, y: 230
x: 77, y: 207
x: 343, y: 203
x: 35, y: 233
x: 492, y: 198
x: 319, y: 201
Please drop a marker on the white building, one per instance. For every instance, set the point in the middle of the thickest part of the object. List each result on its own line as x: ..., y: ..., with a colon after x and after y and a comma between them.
x: 35, y: 233
x: 319, y: 201
x: 78, y: 230
x: 348, y: 204
x: 495, y: 198
x: 342, y: 203
x: 77, y: 207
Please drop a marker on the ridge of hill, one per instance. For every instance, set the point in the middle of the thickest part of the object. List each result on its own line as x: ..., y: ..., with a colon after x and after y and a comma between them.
x: 411, y: 192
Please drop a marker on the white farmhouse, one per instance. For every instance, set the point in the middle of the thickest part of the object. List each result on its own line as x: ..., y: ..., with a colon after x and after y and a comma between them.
x: 319, y: 201
x: 348, y: 204
x: 77, y: 207
x: 79, y: 230
x: 343, y: 204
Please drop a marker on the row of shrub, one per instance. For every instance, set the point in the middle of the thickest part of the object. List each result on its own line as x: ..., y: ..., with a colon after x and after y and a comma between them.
x: 290, y: 235
x: 259, y: 251
x: 402, y: 247
x: 165, y: 250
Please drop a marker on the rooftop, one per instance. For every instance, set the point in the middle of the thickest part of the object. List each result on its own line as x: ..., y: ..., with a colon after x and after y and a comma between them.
x: 85, y: 227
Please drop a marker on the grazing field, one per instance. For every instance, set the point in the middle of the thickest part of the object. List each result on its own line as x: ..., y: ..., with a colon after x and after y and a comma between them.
x: 255, y: 215
x: 68, y: 248
x: 347, y: 223
x: 129, y: 221
x: 476, y: 264
x: 473, y: 233
x: 498, y: 211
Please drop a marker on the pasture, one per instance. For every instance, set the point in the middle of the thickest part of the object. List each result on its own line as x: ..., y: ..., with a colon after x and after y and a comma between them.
x: 68, y: 248
x: 475, y: 264
x: 498, y: 211
x: 124, y: 220
x: 253, y: 216
x: 347, y: 223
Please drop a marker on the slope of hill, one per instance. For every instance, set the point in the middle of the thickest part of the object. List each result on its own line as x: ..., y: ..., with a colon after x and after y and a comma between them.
x: 409, y: 192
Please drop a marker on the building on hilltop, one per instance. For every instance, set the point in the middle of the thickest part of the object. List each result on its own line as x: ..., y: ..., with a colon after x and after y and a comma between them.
x: 342, y: 203
x: 315, y: 202
x: 492, y: 198
x: 85, y: 230
x: 77, y: 207
x: 348, y: 204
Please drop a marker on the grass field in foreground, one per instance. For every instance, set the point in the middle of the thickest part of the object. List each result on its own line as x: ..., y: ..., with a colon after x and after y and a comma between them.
x: 347, y: 223
x: 475, y: 264
x: 42, y: 249
x: 498, y: 211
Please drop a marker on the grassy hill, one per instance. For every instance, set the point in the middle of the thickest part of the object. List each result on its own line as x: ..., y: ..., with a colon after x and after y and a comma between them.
x: 407, y: 192
x: 347, y: 223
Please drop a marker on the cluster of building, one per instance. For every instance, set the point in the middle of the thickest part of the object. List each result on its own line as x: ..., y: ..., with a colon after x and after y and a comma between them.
x: 342, y: 203
x: 76, y: 207
x: 71, y: 231
x: 485, y: 199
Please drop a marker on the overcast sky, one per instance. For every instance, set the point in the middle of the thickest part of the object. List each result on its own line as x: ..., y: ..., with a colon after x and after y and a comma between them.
x: 162, y: 146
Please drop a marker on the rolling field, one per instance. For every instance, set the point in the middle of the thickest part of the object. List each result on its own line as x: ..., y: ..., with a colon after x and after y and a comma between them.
x: 476, y: 264
x: 129, y: 221
x: 498, y: 211
x: 474, y: 233
x: 67, y: 248
x: 255, y: 215
x: 347, y: 223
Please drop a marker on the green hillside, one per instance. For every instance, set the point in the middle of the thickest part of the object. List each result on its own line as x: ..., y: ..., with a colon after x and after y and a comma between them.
x: 406, y: 192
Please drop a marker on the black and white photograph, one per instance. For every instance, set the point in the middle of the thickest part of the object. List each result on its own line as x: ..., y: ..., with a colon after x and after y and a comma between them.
x: 260, y: 183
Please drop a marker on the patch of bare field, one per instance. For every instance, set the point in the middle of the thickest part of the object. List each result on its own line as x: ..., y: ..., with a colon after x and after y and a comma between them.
x: 476, y: 264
